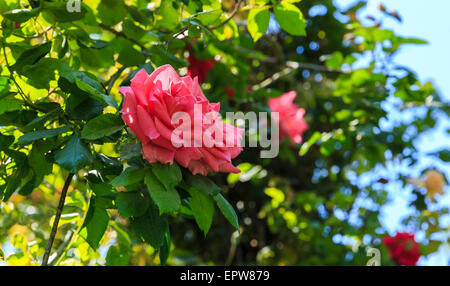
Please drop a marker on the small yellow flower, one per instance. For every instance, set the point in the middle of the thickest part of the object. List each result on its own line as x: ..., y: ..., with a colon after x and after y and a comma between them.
x: 434, y: 182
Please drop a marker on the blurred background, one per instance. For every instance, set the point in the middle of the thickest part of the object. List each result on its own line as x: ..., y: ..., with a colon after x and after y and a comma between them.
x: 424, y: 21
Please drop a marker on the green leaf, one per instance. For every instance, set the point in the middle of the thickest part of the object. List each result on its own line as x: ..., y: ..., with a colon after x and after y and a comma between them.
x: 60, y: 13
x: 39, y: 121
x: 313, y: 139
x: 164, y: 251
x: 128, y: 56
x: 102, y: 189
x: 209, y: 17
x: 444, y: 155
x: 167, y: 200
x: 92, y: 88
x: 39, y: 134
x: 258, y: 22
x: 5, y: 141
x: 75, y: 155
x: 227, y: 210
x: 151, y: 227
x: 161, y: 57
x: 15, y: 180
x: 129, y: 151
x: 131, y: 204
x: 76, y: 81
x: 83, y: 107
x: 202, y: 208
x: 37, y: 160
x: 21, y: 15
x: 40, y: 74
x: 335, y: 61
x: 94, y: 225
x: 203, y: 184
x: 111, y: 12
x: 168, y: 175
x: 31, y: 56
x: 129, y: 177
x: 103, y: 125
x: 10, y: 104
x: 116, y: 257
x: 169, y: 16
x: 290, y: 19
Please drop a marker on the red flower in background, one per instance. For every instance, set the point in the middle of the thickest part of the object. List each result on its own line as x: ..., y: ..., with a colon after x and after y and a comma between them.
x: 290, y: 120
x: 199, y: 68
x: 230, y: 92
x: 403, y: 248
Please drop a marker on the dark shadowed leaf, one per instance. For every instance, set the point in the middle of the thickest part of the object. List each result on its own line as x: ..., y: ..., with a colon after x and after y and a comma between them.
x: 227, y: 210
x: 168, y: 175
x: 151, y: 227
x: 75, y: 155
x: 131, y: 204
x: 21, y: 15
x: 94, y: 225
x: 129, y: 176
x: 103, y: 125
x: 40, y: 134
x: 167, y: 200
x: 202, y: 208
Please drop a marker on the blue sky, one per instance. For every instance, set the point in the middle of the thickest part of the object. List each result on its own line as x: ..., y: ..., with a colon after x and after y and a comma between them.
x: 427, y: 20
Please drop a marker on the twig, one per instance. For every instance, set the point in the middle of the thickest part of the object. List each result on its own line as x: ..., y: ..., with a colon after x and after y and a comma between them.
x: 233, y: 13
x: 57, y: 217
x: 113, y: 79
x: 120, y: 34
x: 62, y: 248
x: 175, y: 36
x: 291, y: 67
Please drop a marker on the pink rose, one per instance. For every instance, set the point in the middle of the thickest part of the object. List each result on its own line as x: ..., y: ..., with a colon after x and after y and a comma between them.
x: 291, y: 120
x: 149, y: 106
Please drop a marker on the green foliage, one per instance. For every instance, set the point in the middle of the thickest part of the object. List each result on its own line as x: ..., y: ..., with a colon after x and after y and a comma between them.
x: 290, y: 18
x: 258, y: 22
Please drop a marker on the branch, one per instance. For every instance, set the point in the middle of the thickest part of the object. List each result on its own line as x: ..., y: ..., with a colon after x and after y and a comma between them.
x: 291, y: 67
x: 120, y: 34
x: 113, y: 79
x: 233, y: 13
x: 57, y: 217
x: 181, y: 32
